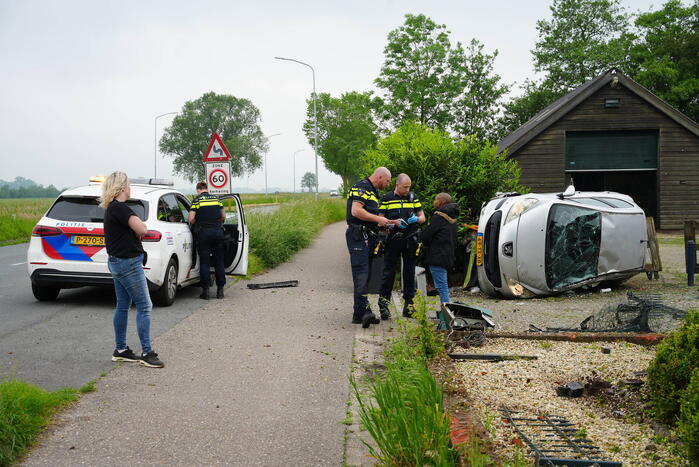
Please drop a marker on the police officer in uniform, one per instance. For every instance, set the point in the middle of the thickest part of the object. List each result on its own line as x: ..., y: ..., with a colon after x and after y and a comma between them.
x: 403, y: 205
x: 207, y: 215
x: 362, y: 223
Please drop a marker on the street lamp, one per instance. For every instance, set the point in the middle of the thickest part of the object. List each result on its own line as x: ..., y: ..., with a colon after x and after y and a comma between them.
x: 268, y: 137
x: 296, y: 152
x: 155, y: 143
x: 315, y: 117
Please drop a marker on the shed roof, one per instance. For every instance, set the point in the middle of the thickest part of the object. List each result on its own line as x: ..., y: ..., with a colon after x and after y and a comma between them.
x: 552, y: 113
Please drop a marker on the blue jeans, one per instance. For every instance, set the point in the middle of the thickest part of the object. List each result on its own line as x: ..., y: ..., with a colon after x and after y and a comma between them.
x: 131, y: 287
x: 439, y: 275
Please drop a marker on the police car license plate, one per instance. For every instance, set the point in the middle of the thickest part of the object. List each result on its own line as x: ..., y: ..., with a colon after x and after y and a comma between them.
x: 479, y: 250
x: 91, y: 240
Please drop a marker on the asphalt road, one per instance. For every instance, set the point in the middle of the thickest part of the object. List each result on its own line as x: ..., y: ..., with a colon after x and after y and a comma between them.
x: 70, y: 341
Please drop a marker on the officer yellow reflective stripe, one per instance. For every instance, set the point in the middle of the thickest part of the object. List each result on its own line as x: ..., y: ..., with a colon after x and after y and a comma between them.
x: 364, y: 195
x: 399, y: 205
x: 203, y: 201
x: 209, y: 203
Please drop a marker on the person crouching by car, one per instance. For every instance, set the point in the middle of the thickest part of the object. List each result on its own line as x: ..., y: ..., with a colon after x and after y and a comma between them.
x: 440, y: 239
x: 123, y: 230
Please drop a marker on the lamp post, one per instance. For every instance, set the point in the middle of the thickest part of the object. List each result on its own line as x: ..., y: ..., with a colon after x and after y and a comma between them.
x: 315, y: 117
x: 296, y: 152
x: 155, y: 143
x: 268, y: 137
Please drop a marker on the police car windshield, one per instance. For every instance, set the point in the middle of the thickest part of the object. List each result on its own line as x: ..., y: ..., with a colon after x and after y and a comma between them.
x: 78, y: 209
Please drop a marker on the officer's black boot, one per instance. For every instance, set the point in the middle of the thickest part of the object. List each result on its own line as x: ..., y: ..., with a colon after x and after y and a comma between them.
x: 383, y: 307
x: 408, y: 309
x: 219, y: 292
x: 204, y: 294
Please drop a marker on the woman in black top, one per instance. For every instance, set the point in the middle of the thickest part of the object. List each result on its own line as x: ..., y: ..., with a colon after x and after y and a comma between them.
x: 123, y: 230
x: 440, y: 239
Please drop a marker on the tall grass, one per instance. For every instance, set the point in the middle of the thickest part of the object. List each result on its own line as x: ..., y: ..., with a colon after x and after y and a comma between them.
x: 18, y: 217
x: 25, y: 410
x: 406, y: 418
x: 275, y: 237
x: 259, y: 198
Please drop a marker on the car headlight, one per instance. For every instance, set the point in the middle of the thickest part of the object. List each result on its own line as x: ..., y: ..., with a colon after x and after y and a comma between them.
x: 519, y: 208
x: 517, y: 289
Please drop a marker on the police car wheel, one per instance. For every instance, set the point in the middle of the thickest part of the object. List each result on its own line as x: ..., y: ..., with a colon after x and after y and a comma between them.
x: 165, y: 296
x: 45, y: 293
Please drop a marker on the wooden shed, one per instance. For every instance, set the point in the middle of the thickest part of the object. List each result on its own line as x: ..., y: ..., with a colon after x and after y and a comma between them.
x: 612, y: 134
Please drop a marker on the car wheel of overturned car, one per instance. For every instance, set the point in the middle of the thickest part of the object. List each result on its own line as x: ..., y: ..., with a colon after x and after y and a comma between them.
x: 165, y: 296
x: 45, y: 293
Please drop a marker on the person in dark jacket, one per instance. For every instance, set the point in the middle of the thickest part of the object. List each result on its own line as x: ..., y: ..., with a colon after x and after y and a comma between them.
x: 440, y: 239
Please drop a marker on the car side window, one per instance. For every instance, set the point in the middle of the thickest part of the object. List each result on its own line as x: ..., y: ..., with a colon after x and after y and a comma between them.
x: 169, y: 210
x: 183, y: 206
x: 232, y: 215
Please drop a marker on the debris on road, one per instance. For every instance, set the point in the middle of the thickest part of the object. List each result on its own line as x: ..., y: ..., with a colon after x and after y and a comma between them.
x: 273, y: 285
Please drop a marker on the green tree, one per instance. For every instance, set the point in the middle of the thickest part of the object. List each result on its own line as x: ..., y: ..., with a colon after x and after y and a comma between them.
x: 665, y: 58
x: 582, y: 39
x: 346, y: 127
x: 468, y: 169
x: 480, y: 103
x: 236, y: 121
x: 308, y: 181
x: 421, y: 74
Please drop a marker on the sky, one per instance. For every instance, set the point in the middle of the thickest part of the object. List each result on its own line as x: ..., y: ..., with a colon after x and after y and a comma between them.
x: 81, y: 82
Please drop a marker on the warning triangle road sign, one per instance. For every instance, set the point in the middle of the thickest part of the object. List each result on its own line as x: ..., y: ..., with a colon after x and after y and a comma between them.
x: 216, y: 151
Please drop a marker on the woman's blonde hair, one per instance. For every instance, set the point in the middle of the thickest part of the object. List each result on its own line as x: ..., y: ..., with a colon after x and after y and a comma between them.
x: 112, y: 186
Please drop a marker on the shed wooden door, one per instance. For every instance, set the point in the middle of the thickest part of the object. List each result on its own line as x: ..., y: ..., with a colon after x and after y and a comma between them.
x: 621, y: 161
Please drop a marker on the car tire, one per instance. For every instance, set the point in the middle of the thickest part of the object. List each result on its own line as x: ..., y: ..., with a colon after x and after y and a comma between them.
x: 165, y: 296
x: 45, y: 293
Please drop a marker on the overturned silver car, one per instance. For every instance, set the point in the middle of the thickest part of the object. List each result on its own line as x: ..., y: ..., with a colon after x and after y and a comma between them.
x: 543, y: 244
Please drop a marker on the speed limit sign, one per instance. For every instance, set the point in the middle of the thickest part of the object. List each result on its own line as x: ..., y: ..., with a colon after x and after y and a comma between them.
x: 218, y: 177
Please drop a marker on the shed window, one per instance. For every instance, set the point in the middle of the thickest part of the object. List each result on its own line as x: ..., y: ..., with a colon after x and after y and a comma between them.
x: 611, y: 150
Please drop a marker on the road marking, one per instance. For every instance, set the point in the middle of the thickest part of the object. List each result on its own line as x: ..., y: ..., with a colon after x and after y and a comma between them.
x: 19, y: 264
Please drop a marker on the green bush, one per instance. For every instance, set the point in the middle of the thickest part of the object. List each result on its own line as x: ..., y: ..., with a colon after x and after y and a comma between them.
x: 676, y: 358
x: 688, y: 425
x: 276, y: 237
x: 469, y: 170
x: 24, y: 410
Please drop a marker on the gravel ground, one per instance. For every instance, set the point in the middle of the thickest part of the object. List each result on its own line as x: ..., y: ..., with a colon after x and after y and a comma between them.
x: 569, y: 311
x: 530, y: 387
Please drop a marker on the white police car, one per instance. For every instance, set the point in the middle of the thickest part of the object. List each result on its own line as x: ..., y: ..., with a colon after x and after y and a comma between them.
x: 67, y: 247
x: 548, y: 243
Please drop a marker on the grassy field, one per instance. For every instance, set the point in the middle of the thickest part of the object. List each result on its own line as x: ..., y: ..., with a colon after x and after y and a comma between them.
x: 18, y: 216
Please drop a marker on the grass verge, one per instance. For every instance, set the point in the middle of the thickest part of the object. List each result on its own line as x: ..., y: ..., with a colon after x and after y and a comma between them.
x: 403, y: 410
x: 277, y: 236
x: 24, y: 411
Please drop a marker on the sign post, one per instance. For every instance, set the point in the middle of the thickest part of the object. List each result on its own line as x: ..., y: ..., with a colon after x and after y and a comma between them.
x: 218, y: 167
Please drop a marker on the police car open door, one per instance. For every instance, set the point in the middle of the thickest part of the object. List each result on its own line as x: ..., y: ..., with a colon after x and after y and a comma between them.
x: 237, y: 242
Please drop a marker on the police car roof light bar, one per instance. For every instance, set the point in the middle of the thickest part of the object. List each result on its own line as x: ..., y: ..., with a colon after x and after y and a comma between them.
x: 152, y: 181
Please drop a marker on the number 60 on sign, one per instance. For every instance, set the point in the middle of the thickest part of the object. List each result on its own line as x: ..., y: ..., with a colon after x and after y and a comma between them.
x: 218, y: 177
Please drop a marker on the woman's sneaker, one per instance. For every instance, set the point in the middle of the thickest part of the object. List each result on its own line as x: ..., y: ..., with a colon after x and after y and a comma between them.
x: 125, y: 355
x: 151, y: 359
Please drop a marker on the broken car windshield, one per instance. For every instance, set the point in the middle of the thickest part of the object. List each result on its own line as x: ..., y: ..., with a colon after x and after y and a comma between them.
x: 573, y: 237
